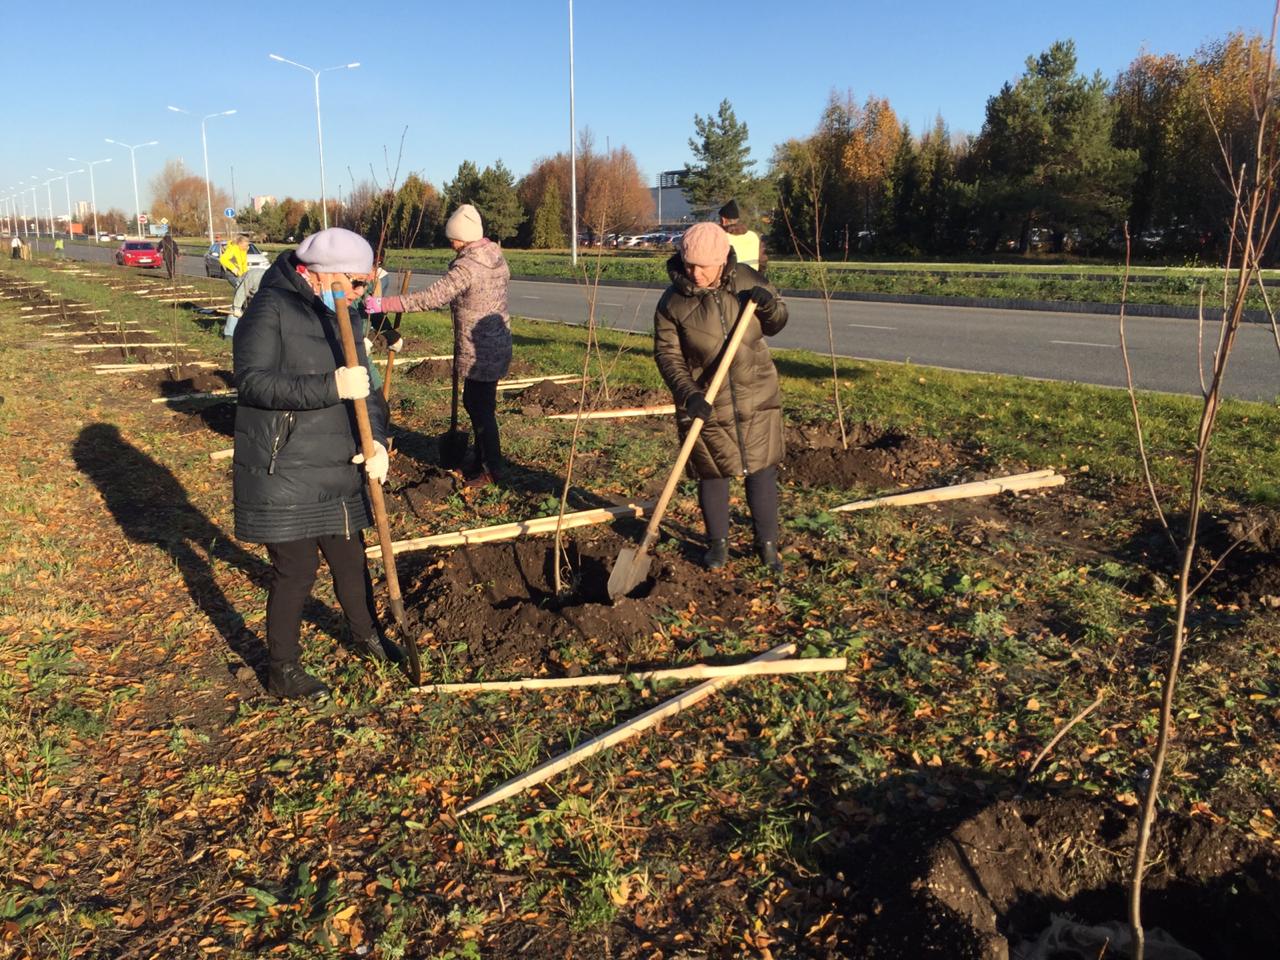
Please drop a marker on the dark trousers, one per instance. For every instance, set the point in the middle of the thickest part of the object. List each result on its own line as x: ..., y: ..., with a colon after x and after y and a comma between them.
x: 294, y: 572
x: 762, y: 498
x: 480, y: 398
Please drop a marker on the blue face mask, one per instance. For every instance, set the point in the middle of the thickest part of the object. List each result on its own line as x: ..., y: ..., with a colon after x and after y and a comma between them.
x: 328, y: 297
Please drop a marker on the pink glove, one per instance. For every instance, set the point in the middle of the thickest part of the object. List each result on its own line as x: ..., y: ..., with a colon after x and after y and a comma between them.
x: 383, y: 305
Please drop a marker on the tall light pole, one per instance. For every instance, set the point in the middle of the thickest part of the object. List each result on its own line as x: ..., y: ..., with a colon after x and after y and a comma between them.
x: 324, y: 210
x: 204, y: 143
x: 93, y: 193
x: 66, y: 176
x: 35, y: 209
x: 573, y: 153
x: 133, y: 161
x: 48, y: 189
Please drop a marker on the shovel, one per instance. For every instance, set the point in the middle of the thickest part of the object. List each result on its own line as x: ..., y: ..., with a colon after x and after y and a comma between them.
x: 453, y: 444
x: 632, y: 566
x: 395, y: 325
x: 375, y: 495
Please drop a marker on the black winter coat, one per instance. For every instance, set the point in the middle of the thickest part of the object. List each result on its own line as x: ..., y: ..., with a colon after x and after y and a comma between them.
x: 293, y: 474
x: 690, y: 328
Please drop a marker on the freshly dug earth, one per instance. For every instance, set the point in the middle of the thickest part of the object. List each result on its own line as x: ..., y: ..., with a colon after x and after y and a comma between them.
x: 218, y: 417
x: 417, y: 487
x: 1005, y: 872
x: 546, y: 398
x: 499, y: 600
x: 875, y: 457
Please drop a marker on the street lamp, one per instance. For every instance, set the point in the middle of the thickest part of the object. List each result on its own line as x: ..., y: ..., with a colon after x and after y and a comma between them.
x: 133, y: 160
x: 573, y: 153
x: 324, y: 210
x: 93, y: 193
x: 204, y: 143
x: 35, y: 208
x: 66, y: 182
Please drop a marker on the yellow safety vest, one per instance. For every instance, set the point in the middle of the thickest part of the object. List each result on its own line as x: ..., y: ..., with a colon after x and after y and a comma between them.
x: 747, y: 247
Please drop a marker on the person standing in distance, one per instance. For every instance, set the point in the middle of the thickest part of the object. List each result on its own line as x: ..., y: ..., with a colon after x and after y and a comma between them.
x: 297, y: 485
x: 235, y: 260
x: 746, y: 244
x: 169, y: 253
x: 742, y: 430
x: 475, y: 287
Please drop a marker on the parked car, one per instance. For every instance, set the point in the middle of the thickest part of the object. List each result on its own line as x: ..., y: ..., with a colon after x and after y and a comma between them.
x: 214, y: 269
x: 139, y: 253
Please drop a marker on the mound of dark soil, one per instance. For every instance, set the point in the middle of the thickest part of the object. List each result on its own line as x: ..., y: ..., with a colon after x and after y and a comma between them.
x: 428, y: 371
x: 218, y: 417
x: 874, y: 457
x: 417, y: 487
x: 498, y: 599
x: 546, y: 398
x: 1007, y: 871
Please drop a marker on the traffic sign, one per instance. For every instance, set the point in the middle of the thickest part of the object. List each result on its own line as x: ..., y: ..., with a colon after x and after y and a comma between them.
x: 164, y: 221
x: 142, y: 218
x: 229, y: 212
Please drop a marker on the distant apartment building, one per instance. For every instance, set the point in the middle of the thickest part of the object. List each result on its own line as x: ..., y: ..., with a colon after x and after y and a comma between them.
x: 82, y: 210
x: 262, y: 201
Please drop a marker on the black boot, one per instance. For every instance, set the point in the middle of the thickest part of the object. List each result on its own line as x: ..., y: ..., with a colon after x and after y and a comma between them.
x: 289, y: 681
x: 767, y: 550
x: 717, y: 554
x: 377, y: 648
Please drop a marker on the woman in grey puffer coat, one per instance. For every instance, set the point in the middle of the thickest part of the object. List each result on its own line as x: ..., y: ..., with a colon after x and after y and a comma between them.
x: 475, y: 287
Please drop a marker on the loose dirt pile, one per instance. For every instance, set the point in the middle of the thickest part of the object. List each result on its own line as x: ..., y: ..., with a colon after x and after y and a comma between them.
x: 498, y: 600
x: 1007, y: 871
x: 416, y: 487
x: 546, y: 398
x: 875, y: 457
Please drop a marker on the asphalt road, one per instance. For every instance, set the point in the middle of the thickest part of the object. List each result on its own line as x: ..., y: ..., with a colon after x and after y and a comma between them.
x: 1072, y: 347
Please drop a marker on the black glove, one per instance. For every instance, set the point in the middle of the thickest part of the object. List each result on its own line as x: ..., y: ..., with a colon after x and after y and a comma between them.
x: 697, y: 407
x: 763, y: 299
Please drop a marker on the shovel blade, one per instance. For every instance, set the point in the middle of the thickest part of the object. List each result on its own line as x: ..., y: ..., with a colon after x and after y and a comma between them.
x: 453, y: 448
x: 629, y: 571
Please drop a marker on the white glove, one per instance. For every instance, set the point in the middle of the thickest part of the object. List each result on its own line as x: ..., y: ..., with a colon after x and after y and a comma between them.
x: 353, y: 383
x: 368, y: 347
x: 396, y: 344
x: 378, y: 466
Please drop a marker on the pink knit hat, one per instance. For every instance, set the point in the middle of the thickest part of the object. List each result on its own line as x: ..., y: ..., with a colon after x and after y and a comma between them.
x: 705, y: 245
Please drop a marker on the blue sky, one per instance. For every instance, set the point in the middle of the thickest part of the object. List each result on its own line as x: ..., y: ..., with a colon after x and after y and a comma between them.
x: 484, y: 81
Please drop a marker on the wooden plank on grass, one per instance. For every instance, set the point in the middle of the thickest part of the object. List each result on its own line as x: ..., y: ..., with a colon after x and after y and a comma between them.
x: 207, y: 395
x: 664, y: 408
x: 698, y: 671
x: 960, y: 491
x: 624, y: 731
x: 89, y: 348
x: 521, y: 528
x: 226, y: 454
x: 110, y: 368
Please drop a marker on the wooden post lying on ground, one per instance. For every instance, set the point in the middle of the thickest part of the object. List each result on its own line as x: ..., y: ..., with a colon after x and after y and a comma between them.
x: 226, y: 454
x: 140, y: 345
x: 108, y: 368
x: 960, y: 491
x: 665, y: 408
x: 509, y: 531
x: 619, y: 733
x: 559, y: 379
x: 410, y: 361
x: 700, y: 671
x: 220, y: 394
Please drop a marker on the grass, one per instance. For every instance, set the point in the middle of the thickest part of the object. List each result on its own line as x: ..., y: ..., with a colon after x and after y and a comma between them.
x: 149, y: 795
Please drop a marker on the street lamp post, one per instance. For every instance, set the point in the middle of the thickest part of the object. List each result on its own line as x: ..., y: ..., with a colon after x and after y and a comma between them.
x: 204, y: 144
x: 48, y: 189
x: 133, y: 161
x: 93, y: 193
x: 324, y: 210
x: 35, y: 210
x: 573, y: 153
x: 66, y: 182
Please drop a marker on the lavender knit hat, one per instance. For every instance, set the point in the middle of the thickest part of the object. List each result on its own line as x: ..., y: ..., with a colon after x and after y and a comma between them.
x: 336, y: 250
x: 704, y: 245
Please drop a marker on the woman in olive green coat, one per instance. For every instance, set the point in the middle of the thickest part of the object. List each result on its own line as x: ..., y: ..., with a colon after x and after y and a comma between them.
x: 742, y: 433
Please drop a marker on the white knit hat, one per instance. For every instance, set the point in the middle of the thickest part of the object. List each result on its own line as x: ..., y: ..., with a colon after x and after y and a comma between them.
x: 464, y: 225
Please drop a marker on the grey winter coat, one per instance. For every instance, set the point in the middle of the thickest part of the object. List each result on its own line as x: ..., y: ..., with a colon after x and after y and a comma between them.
x: 293, y: 475
x: 690, y: 327
x: 475, y: 287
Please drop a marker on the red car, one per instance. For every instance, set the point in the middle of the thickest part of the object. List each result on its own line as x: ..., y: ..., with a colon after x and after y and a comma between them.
x: 139, y: 253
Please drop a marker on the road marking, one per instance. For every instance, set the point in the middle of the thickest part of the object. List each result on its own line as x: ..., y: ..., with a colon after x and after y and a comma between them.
x: 871, y: 326
x: 1083, y: 343
x: 607, y: 303
x: 527, y: 297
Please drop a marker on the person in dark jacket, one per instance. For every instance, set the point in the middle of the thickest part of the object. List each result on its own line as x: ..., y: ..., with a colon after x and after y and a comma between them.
x: 169, y: 253
x: 298, y: 488
x: 742, y: 433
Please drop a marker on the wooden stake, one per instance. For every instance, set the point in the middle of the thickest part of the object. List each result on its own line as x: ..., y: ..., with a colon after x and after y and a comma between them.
x: 132, y: 367
x: 700, y: 671
x: 226, y: 454
x: 194, y: 396
x: 509, y: 531
x: 980, y: 488
x: 622, y: 732
x: 90, y: 347
x: 665, y: 408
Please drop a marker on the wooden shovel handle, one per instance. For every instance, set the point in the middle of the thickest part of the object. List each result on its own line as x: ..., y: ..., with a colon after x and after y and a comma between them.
x: 352, y: 359
x: 695, y: 429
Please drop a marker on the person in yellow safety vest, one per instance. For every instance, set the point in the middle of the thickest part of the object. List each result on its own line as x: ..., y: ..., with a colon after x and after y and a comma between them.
x: 746, y: 244
x: 235, y: 260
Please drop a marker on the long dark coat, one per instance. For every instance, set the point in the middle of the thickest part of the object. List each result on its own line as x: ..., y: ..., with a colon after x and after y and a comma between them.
x: 293, y: 474
x: 690, y: 328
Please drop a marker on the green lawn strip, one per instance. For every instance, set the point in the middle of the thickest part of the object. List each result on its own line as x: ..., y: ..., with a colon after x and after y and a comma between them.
x: 955, y: 682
